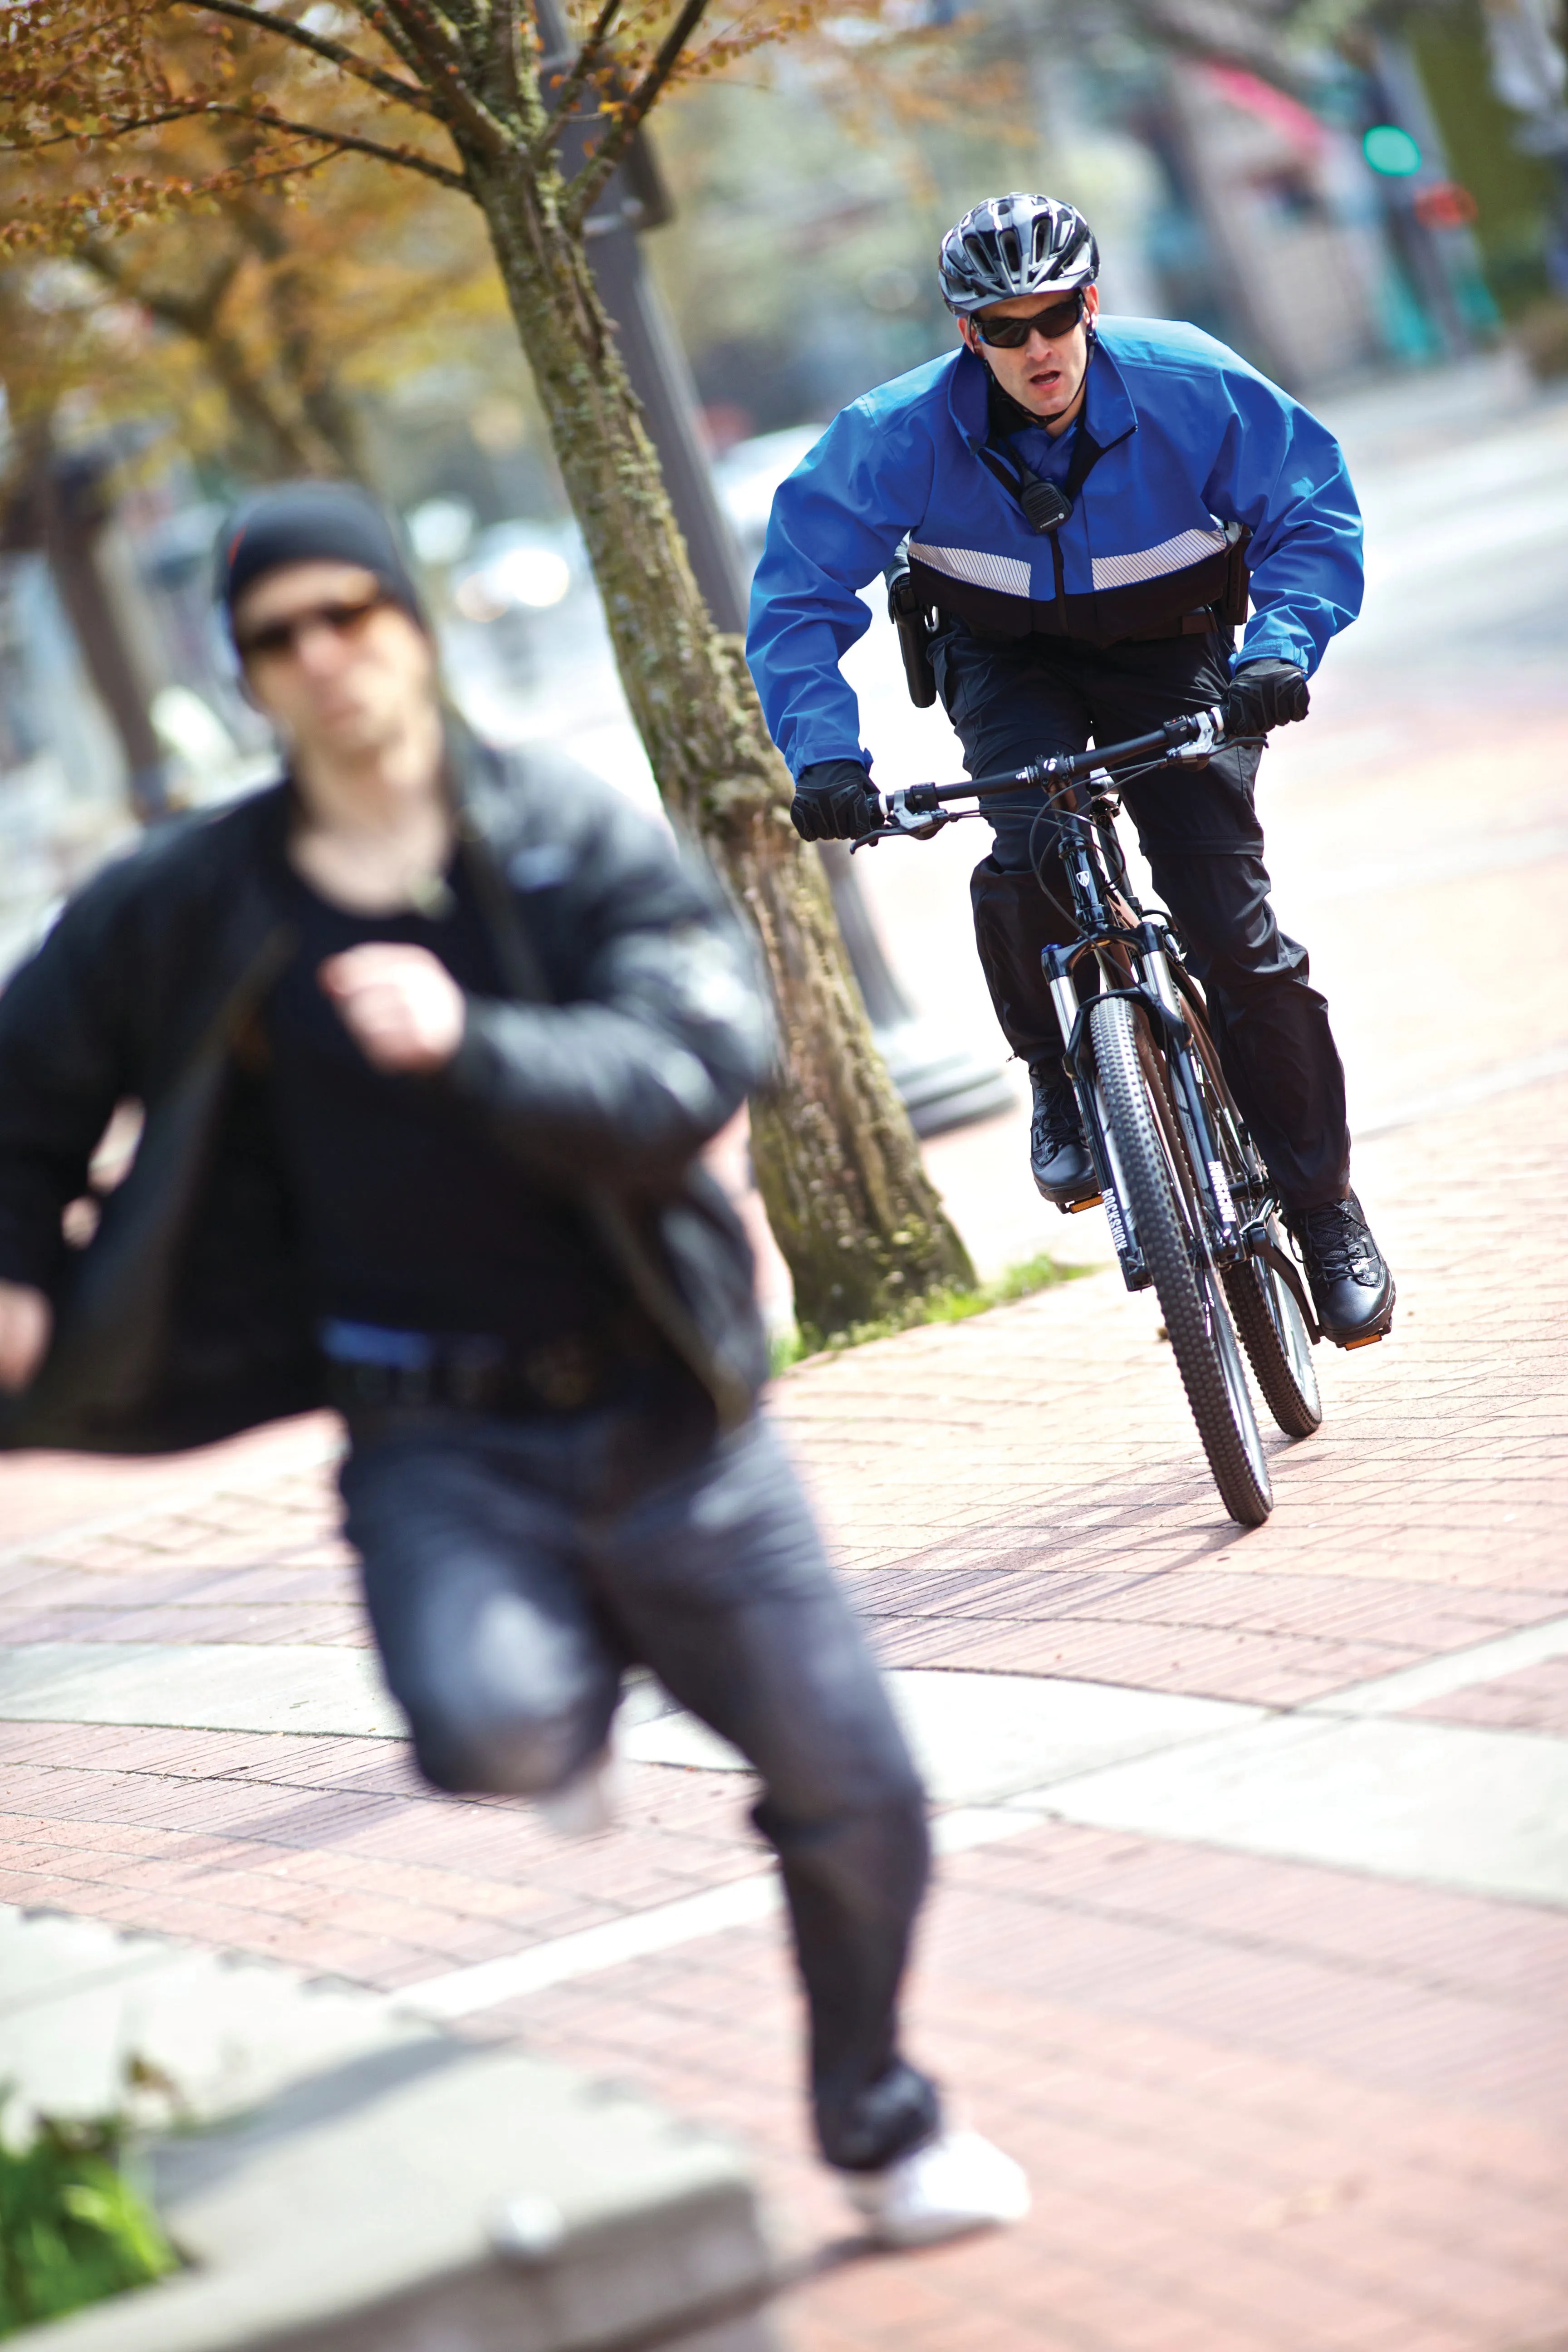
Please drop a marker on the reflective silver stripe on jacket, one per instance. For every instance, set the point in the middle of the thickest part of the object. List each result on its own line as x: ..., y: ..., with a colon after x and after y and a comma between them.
x: 1010, y: 573
x: 1149, y: 562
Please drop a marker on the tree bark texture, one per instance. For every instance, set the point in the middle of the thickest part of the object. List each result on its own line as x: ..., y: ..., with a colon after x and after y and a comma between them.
x: 861, y: 1227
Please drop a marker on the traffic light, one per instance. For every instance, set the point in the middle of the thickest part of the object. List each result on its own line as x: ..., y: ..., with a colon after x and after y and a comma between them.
x: 1391, y: 152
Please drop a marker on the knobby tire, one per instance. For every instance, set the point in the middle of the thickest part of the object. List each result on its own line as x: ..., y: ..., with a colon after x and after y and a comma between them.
x: 1277, y: 1341
x: 1202, y: 1341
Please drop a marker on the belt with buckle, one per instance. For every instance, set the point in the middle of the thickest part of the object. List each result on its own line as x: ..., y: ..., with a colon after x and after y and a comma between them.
x: 371, y: 1367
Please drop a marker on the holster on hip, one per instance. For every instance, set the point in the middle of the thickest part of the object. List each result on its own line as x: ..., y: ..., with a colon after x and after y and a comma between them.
x: 916, y: 626
x: 1013, y: 921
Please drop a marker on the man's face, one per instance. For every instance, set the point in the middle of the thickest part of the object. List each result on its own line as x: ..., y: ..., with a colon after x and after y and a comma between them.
x: 338, y: 670
x: 1045, y: 374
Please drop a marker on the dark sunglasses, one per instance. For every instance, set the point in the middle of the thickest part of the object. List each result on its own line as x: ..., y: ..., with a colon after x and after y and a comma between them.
x: 1012, y: 334
x: 277, y: 637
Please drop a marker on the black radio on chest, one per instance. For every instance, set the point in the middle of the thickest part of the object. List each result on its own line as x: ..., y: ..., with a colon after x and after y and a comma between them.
x: 1045, y: 508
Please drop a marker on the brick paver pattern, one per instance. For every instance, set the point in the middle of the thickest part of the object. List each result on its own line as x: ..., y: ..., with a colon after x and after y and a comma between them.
x: 1267, y: 2107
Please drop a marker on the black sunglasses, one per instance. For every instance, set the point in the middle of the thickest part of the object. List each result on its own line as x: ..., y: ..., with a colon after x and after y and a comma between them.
x: 276, y: 637
x: 1012, y: 334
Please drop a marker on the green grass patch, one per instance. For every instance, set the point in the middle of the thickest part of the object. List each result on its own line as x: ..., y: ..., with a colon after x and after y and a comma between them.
x: 73, y: 2225
x: 936, y: 1307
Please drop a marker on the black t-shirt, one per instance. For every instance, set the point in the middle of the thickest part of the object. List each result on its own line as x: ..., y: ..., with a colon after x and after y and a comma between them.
x: 412, y: 1215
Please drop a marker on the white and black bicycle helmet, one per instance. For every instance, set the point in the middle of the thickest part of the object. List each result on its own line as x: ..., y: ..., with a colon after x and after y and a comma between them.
x: 1015, y: 245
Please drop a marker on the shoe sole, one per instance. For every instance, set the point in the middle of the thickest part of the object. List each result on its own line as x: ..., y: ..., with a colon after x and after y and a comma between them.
x: 941, y: 2234
x: 1364, y: 1338
x: 1068, y: 1201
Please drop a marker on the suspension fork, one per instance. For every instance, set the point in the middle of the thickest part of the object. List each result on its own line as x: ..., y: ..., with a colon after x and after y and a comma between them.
x: 1070, y: 1011
x: 1224, y: 1222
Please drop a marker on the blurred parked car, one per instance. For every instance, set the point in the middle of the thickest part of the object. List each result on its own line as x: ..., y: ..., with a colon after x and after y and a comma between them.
x: 747, y: 476
x: 517, y: 585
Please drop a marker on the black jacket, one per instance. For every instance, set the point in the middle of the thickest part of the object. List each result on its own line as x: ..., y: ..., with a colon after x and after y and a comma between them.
x: 633, y: 1028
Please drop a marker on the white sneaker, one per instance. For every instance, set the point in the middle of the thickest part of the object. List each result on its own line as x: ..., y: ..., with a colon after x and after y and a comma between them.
x: 954, y: 2183
x: 584, y: 1806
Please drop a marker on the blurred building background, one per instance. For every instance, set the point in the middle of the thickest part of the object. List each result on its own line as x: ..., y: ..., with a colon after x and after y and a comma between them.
x: 1341, y: 193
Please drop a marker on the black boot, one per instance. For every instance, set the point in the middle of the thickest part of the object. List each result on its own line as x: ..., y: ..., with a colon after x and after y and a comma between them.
x: 1353, y: 1289
x: 1058, y: 1155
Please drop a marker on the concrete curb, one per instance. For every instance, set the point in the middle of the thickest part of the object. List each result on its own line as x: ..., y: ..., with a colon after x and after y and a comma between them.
x: 419, y: 2195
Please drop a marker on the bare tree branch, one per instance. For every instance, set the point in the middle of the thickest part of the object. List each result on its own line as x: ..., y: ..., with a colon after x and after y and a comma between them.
x: 422, y: 39
x: 342, y: 141
x: 590, y: 181
x: 394, y: 85
x: 298, y: 449
x: 371, y: 13
x: 503, y: 50
x: 193, y: 313
x: 350, y: 142
x: 576, y: 81
x: 430, y: 48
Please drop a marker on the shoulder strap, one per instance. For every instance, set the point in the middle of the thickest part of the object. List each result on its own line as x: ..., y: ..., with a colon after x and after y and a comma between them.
x: 1015, y: 476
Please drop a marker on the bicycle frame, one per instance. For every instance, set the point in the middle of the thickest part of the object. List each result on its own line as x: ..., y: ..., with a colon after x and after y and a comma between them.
x: 1132, y: 955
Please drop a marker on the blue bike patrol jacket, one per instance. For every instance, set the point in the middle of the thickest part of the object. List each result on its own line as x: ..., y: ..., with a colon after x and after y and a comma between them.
x: 1201, y: 470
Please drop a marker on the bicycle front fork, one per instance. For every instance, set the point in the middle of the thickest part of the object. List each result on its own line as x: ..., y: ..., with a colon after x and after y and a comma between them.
x: 1223, y: 1240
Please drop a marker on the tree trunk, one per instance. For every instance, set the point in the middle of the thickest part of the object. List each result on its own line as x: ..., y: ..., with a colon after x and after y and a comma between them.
x: 860, y: 1224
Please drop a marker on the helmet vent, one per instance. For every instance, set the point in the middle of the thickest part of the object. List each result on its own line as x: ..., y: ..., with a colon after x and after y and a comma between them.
x: 1015, y: 245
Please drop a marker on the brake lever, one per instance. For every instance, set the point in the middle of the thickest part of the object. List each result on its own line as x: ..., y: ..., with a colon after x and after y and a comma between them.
x: 1210, y: 738
x: 920, y: 823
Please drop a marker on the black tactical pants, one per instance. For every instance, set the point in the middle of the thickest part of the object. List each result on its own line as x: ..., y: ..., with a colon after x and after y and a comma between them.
x: 1013, y: 701
x: 514, y: 1568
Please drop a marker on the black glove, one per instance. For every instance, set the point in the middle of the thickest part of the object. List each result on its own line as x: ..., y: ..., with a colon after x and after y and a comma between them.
x: 1265, y: 694
x: 834, y: 802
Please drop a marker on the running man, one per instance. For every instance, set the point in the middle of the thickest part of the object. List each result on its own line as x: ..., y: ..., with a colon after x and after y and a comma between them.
x: 428, y: 1040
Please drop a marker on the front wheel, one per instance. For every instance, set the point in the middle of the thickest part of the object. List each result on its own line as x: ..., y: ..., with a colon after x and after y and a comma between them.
x: 1263, y: 1307
x: 1157, y: 1191
x: 1275, y: 1338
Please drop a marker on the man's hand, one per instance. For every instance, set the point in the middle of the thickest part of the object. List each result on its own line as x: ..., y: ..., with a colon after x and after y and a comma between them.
x: 400, y: 1005
x: 26, y: 1321
x: 1265, y: 694
x: 834, y: 802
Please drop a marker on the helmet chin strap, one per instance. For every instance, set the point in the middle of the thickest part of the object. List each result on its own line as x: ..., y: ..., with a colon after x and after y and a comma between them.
x: 1035, y: 415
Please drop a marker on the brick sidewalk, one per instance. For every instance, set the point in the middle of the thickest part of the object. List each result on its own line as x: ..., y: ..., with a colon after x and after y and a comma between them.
x: 1265, y: 2103
x: 1269, y: 2105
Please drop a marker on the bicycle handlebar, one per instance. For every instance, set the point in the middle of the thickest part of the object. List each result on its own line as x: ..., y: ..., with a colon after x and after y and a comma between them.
x: 1188, y: 741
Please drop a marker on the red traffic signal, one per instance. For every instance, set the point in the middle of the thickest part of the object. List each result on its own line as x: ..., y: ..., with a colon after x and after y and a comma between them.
x: 1445, y: 206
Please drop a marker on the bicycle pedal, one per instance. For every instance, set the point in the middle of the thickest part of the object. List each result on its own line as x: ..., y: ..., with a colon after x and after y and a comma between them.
x: 1072, y: 1208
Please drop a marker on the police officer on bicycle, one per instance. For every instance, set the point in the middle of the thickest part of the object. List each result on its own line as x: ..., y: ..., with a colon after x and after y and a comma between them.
x: 1071, y: 514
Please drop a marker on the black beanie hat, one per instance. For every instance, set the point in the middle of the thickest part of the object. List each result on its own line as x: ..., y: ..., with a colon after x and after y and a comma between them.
x: 313, y: 523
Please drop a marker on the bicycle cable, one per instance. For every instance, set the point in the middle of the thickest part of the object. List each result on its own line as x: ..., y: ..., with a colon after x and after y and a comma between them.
x: 1038, y: 865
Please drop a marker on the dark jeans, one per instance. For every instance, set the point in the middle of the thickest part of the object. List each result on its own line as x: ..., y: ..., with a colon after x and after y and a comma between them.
x: 1016, y: 700
x: 512, y: 1568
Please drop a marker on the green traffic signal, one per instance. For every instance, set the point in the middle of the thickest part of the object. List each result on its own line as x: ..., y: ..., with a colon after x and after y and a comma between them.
x: 1391, y: 152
